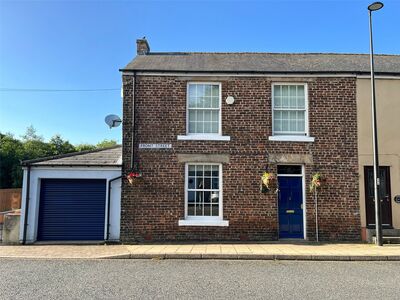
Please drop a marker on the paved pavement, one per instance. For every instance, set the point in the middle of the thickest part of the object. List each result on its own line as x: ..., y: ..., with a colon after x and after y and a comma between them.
x: 267, y: 251
x: 195, y: 279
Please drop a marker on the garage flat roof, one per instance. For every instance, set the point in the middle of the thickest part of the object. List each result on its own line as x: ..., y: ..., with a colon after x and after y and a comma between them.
x: 107, y: 157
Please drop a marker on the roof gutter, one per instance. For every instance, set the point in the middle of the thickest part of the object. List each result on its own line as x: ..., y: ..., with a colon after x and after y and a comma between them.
x: 266, y: 73
x: 236, y: 72
x: 72, y: 165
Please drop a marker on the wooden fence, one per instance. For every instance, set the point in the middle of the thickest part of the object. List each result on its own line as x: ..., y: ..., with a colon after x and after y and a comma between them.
x: 10, y: 199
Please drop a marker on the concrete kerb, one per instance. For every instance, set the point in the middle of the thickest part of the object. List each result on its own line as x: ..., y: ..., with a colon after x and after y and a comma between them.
x: 183, y: 256
x: 256, y: 257
x: 219, y: 256
x: 331, y: 257
x: 394, y: 258
x: 116, y: 256
x: 225, y: 257
x: 211, y: 256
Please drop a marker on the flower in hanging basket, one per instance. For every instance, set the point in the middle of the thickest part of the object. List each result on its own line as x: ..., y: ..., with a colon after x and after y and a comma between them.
x: 316, y: 182
x: 132, y: 176
x: 266, y: 180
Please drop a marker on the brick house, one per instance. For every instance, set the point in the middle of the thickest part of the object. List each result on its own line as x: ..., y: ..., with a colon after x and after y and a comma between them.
x: 204, y: 127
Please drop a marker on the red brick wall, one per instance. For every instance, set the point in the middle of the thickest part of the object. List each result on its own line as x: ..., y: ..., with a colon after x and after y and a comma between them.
x: 151, y: 208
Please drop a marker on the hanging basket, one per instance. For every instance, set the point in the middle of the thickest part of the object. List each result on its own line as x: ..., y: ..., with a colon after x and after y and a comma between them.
x: 267, y: 181
x: 134, y: 176
x: 316, y: 182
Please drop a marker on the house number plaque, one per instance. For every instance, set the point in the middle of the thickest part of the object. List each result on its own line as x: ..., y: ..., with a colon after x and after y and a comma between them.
x: 155, y: 146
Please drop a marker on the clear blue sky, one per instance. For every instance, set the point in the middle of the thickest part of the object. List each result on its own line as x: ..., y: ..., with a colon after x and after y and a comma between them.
x: 82, y: 44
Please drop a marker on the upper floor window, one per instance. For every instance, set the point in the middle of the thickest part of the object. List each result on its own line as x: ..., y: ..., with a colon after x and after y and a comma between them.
x: 290, y: 116
x: 204, y: 108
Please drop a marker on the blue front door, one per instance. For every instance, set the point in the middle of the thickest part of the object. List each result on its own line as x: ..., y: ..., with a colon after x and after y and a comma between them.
x: 290, y: 207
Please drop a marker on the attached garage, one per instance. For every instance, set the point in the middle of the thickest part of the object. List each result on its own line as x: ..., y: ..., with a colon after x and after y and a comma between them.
x: 72, y: 209
x: 72, y: 198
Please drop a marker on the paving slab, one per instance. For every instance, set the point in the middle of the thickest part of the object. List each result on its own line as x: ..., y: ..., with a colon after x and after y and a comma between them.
x: 265, y: 251
x: 63, y: 251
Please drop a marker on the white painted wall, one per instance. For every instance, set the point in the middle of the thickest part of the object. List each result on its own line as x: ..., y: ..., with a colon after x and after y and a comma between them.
x: 38, y: 173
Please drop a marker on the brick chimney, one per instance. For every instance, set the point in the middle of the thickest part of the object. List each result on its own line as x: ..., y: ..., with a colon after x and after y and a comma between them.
x: 142, y: 46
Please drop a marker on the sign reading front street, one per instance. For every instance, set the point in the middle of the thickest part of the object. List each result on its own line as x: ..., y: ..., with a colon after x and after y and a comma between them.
x: 155, y: 146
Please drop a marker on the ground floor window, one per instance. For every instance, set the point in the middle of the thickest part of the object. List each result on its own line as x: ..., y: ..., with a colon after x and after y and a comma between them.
x: 203, y: 190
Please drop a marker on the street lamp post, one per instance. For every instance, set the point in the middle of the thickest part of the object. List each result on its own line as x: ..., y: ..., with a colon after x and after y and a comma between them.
x: 378, y: 220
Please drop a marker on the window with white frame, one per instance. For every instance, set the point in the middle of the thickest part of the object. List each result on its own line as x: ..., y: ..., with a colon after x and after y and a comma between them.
x: 290, y: 109
x: 204, y: 100
x: 203, y: 190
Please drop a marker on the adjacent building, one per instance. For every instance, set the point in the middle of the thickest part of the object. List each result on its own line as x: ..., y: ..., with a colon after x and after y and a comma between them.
x: 388, y: 119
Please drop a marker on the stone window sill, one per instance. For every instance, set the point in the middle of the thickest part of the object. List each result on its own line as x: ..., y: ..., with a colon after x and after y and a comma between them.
x: 204, y: 137
x: 197, y: 222
x: 291, y: 138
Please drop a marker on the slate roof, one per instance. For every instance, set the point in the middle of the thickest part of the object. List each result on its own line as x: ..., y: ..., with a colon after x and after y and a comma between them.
x: 100, y: 157
x: 264, y: 63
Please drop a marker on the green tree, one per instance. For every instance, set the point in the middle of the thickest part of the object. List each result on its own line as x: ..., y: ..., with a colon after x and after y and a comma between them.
x: 11, y: 153
x: 106, y: 143
x: 30, y: 135
x: 59, y: 146
x: 84, y: 147
x: 34, y: 145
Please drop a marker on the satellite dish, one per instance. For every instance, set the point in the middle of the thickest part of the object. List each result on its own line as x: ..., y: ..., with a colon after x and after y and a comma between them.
x: 113, y: 121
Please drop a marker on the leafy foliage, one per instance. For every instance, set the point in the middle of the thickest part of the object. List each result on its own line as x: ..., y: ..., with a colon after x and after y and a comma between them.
x: 32, y: 146
x: 11, y: 151
x: 84, y: 147
x: 59, y: 146
x: 106, y: 144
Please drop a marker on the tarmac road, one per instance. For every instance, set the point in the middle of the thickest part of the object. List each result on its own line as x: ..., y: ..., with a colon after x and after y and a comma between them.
x: 205, y: 279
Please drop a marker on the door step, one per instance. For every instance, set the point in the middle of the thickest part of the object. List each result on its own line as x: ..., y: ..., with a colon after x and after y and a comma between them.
x: 388, y: 239
x: 386, y: 233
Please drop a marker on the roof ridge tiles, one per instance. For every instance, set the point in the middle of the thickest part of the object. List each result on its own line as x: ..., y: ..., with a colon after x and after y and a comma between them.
x: 269, y: 53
